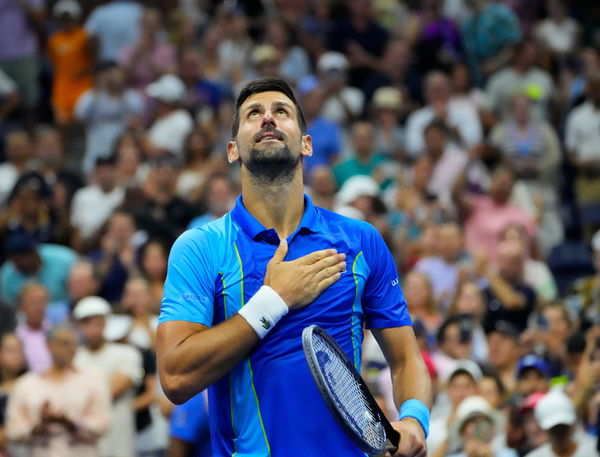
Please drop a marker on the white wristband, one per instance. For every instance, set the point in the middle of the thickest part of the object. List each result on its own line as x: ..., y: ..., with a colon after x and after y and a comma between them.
x: 264, y: 310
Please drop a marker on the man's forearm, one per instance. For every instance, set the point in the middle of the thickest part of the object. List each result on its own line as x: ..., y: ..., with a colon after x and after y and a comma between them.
x: 412, y: 380
x: 202, y: 356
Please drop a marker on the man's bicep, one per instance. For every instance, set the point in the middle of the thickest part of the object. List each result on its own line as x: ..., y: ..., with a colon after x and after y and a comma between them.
x: 171, y: 334
x: 383, y: 300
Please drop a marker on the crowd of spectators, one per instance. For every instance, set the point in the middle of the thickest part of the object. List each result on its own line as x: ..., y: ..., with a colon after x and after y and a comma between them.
x: 466, y: 131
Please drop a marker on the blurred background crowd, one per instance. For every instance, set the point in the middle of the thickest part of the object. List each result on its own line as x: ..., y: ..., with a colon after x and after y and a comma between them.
x: 466, y: 131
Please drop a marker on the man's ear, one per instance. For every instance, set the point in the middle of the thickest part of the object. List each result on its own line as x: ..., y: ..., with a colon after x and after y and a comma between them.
x: 307, y: 150
x: 232, y: 152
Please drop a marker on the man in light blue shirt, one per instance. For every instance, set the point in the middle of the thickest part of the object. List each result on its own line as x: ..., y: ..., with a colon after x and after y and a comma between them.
x: 114, y: 25
x: 46, y: 264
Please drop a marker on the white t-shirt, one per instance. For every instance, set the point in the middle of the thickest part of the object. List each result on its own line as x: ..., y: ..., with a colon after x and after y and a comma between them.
x: 169, y: 132
x: 582, y: 135
x: 92, y: 207
x: 586, y: 448
x: 110, y: 359
x: 560, y: 37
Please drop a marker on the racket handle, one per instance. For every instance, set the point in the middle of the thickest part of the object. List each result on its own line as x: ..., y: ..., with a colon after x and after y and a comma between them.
x: 392, y: 436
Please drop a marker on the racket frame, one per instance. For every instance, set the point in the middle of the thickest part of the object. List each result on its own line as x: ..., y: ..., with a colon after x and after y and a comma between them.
x: 392, y: 436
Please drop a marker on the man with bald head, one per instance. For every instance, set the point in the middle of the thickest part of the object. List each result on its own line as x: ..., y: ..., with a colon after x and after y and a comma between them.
x: 33, y: 301
x: 461, y: 118
x: 507, y: 296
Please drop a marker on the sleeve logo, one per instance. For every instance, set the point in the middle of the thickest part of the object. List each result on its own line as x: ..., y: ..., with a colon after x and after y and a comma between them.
x: 395, y: 282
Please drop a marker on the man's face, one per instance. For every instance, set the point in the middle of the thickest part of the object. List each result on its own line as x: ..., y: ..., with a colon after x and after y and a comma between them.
x: 92, y: 329
x: 363, y: 138
x: 457, y: 344
x: 27, y: 263
x: 63, y: 347
x: 81, y: 282
x: 460, y: 387
x: 269, y: 143
x: 33, y: 305
x: 503, y: 350
x: 530, y: 380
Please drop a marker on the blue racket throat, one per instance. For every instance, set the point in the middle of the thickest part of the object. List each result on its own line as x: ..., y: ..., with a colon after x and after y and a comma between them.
x: 346, y: 394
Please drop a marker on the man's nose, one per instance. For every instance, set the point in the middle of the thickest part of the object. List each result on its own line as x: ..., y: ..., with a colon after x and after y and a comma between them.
x: 268, y: 119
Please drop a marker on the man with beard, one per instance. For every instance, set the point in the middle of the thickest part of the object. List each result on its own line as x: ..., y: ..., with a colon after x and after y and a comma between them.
x: 240, y: 290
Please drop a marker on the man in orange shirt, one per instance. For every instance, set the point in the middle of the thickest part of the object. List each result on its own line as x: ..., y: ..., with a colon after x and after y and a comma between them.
x: 71, y: 54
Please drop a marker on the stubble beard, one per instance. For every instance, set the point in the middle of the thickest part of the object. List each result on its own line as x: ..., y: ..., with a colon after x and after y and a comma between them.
x: 272, y: 166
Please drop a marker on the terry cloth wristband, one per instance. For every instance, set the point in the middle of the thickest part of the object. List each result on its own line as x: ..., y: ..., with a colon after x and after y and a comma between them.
x: 264, y: 310
x: 417, y: 410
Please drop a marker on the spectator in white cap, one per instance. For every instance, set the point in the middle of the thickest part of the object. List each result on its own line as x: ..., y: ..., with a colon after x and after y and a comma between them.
x: 356, y: 196
x: 476, y: 428
x: 555, y: 413
x: 461, y: 383
x: 343, y: 103
x: 172, y: 124
x: 121, y: 366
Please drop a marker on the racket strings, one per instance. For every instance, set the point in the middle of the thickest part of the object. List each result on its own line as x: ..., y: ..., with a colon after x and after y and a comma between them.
x: 348, y: 394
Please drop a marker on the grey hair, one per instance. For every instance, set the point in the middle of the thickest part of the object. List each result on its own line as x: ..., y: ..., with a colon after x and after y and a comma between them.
x: 56, y: 329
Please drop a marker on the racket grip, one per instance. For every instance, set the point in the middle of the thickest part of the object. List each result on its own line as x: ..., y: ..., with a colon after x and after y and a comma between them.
x: 393, y: 438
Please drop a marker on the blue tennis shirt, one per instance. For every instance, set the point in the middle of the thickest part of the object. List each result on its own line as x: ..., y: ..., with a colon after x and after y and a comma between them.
x: 268, y: 405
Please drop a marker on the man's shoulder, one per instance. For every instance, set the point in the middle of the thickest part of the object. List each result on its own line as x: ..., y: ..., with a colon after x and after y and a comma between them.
x: 54, y: 251
x: 332, y: 219
x: 207, y: 237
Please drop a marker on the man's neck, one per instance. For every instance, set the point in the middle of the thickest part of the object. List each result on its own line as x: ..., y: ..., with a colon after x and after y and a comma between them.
x: 57, y: 372
x: 564, y: 449
x: 275, y: 206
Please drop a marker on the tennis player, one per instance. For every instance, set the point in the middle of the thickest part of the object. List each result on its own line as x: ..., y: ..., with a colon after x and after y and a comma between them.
x: 240, y: 290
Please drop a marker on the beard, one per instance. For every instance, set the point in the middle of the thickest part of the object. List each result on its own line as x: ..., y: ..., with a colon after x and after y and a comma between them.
x: 271, y: 166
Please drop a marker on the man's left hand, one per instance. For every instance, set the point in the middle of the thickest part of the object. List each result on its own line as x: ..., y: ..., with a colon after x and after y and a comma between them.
x: 412, y: 438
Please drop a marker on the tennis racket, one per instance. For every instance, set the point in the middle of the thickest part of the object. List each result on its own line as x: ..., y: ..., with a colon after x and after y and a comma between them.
x: 346, y: 394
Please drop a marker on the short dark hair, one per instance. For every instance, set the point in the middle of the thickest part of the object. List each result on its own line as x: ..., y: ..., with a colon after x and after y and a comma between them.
x: 268, y: 84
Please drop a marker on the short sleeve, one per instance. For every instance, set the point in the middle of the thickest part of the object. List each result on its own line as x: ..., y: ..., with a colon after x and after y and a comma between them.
x: 383, y: 300
x: 190, y: 285
x: 92, y: 24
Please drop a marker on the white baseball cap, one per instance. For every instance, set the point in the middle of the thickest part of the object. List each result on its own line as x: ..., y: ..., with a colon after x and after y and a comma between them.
x: 332, y: 61
x: 168, y: 88
x: 474, y: 406
x: 555, y: 408
x: 70, y: 7
x: 91, y: 306
x: 357, y: 186
x: 469, y: 367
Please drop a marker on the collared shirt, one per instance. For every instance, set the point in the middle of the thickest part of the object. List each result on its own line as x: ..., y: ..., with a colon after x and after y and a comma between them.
x: 268, y: 404
x: 35, y: 347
